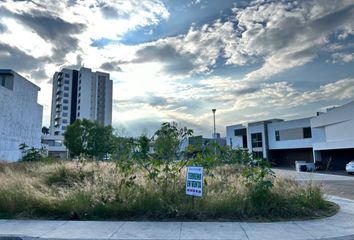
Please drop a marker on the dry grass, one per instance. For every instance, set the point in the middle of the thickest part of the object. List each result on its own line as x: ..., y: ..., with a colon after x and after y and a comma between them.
x: 99, y: 190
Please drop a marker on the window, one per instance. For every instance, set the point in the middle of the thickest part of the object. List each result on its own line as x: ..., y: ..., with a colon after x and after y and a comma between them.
x: 240, y: 132
x: 78, y: 114
x: 66, y: 94
x: 66, y: 88
x: 67, y: 82
x: 67, y: 75
x: 277, y: 136
x: 63, y: 127
x: 78, y: 101
x: 65, y: 101
x: 256, y: 139
x: 79, y: 94
x: 65, y: 107
x: 65, y: 121
x: 307, y: 132
x: 65, y: 114
x: 3, y: 81
x: 79, y: 88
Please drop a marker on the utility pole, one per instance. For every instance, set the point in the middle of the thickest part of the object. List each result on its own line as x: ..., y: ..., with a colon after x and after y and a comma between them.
x: 214, y: 110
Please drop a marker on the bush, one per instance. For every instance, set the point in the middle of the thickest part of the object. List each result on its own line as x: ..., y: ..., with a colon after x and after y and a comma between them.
x: 100, y: 190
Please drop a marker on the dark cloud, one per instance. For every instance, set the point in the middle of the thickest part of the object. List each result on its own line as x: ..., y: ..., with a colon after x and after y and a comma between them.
x: 109, y: 11
x: 14, y: 58
x: 111, y: 66
x: 244, y: 91
x: 175, y: 63
x: 333, y: 20
x: 51, y: 28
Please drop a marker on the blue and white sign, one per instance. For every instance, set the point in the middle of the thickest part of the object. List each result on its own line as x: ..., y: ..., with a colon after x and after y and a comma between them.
x: 194, y: 181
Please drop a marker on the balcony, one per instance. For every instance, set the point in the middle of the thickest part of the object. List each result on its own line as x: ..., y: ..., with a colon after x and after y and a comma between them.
x: 57, y: 117
x: 58, y: 97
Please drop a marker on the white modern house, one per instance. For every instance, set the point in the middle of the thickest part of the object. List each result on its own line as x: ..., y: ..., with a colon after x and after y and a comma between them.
x: 333, y: 135
x: 77, y: 94
x: 252, y: 136
x: 20, y: 115
x: 236, y: 136
x: 327, y: 137
x: 290, y: 141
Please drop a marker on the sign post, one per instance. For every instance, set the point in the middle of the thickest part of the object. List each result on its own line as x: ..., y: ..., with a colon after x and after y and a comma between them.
x: 194, y: 181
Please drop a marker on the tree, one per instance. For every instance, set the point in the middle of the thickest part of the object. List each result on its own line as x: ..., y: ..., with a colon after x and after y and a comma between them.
x: 168, y: 141
x: 45, y: 130
x: 92, y: 139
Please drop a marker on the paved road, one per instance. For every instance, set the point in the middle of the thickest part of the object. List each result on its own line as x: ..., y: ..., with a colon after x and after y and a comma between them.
x: 333, y: 184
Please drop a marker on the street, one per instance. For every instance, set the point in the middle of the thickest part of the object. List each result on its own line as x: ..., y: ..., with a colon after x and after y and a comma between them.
x: 333, y: 184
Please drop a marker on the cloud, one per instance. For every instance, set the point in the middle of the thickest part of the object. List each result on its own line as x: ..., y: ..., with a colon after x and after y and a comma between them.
x: 53, y: 29
x: 111, y: 66
x: 14, y: 58
x: 280, y: 35
x: 3, y: 28
x: 175, y: 62
x: 342, y: 57
x: 293, y: 38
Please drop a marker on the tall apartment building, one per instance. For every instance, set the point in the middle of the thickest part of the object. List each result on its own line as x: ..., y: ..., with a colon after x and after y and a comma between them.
x: 20, y: 115
x: 77, y: 94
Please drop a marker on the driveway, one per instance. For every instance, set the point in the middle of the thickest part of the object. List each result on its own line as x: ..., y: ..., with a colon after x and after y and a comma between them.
x: 333, y: 184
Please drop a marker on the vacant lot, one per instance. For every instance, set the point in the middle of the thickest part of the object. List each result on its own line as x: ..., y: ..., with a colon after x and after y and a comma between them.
x: 106, y: 190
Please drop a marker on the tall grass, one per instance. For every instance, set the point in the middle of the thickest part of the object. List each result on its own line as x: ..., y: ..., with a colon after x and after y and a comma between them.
x: 99, y: 190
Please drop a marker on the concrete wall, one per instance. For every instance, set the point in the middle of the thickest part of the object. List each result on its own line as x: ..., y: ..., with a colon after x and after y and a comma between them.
x: 289, y: 130
x: 20, y: 118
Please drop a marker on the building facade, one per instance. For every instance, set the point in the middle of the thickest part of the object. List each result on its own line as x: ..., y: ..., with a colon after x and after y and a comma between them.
x: 252, y: 136
x: 290, y: 141
x: 77, y: 94
x: 20, y: 115
x: 327, y: 138
x: 333, y: 136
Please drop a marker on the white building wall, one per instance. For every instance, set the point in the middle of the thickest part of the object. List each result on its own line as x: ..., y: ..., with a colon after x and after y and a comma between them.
x: 20, y: 118
x: 334, y: 129
x: 293, y: 126
x: 108, y: 102
x: 85, y: 94
x: 232, y: 140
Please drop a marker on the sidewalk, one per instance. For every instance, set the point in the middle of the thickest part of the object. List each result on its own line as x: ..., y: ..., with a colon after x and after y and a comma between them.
x: 342, y: 224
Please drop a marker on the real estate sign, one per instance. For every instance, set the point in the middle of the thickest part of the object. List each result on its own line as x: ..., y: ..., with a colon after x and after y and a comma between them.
x: 194, y: 181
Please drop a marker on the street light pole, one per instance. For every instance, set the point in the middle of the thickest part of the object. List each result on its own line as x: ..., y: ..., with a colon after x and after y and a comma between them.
x: 214, y: 110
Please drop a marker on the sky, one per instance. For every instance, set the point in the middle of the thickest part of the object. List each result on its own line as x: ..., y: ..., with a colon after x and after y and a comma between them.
x: 176, y: 60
